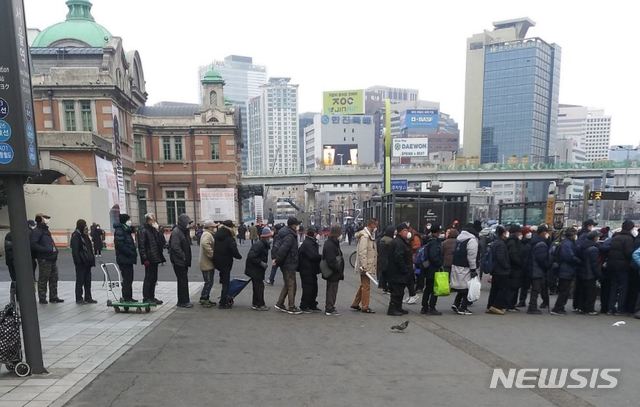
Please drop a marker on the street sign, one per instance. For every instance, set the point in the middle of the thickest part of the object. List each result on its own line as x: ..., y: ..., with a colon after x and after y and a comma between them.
x: 18, y: 148
x: 398, y: 185
x: 608, y: 196
x: 558, y: 215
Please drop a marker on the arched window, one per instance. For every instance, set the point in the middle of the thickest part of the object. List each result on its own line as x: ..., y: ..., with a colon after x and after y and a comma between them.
x: 213, y: 98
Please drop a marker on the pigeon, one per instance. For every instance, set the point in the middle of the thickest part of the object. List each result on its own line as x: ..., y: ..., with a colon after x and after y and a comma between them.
x: 401, y: 327
x: 619, y: 323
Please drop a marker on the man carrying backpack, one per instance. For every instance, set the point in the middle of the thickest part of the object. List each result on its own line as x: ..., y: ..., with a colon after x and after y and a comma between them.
x: 430, y: 261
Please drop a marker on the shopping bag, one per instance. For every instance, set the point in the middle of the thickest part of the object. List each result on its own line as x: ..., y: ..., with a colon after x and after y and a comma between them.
x: 474, y: 289
x: 441, y: 284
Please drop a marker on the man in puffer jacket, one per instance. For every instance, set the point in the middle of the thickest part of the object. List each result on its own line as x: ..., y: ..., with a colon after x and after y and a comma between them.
x: 366, y: 262
x: 540, y: 265
x: 225, y: 249
x: 464, y: 267
x: 499, y: 293
x: 286, y: 257
x: 126, y: 254
x: 180, y: 256
x: 588, y: 274
x: 569, y: 262
x: 151, y: 244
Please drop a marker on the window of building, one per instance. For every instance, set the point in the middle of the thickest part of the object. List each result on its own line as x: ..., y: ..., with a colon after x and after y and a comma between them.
x: 87, y: 115
x: 215, y: 147
x: 176, y: 205
x: 177, y: 148
x: 166, y: 148
x: 138, y: 147
x: 69, y: 115
x: 142, y: 204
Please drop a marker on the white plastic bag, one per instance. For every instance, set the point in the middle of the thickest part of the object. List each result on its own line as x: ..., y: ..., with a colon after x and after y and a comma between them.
x: 474, y: 289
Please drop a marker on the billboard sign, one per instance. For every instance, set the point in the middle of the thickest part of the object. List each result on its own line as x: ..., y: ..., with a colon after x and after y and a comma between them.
x: 18, y: 146
x: 341, y: 102
x: 218, y: 204
x: 608, y: 196
x: 107, y: 180
x: 421, y: 119
x: 410, y: 147
x: 340, y: 154
x: 398, y: 185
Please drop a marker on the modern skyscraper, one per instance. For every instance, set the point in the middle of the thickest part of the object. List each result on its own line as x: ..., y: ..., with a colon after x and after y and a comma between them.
x: 243, y: 80
x: 591, y: 128
x: 304, y: 120
x: 273, y: 129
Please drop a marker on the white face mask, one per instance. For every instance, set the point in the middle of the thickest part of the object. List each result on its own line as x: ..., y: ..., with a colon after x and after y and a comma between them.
x: 128, y: 223
x: 409, y: 235
x: 634, y: 232
x: 506, y: 235
x: 441, y: 236
x: 155, y: 225
x: 519, y: 237
x: 528, y: 235
x: 46, y: 220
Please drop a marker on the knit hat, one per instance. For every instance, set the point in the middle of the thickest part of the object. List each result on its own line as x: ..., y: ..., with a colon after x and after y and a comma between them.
x: 593, y: 234
x: 401, y: 227
x: 229, y: 224
x: 628, y: 225
x: 124, y: 218
x: 266, y: 232
x: 515, y: 228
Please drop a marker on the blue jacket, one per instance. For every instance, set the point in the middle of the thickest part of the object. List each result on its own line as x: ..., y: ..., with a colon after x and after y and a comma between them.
x: 591, y: 267
x: 569, y: 260
x: 540, y: 261
x: 126, y: 252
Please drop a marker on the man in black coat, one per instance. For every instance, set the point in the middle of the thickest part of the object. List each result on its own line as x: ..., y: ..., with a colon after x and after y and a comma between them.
x: 180, y: 256
x: 539, y: 267
x: 276, y: 238
x: 619, y: 266
x: 84, y: 260
x: 399, y: 268
x: 225, y: 249
x: 286, y: 257
x: 309, y: 268
x: 433, y: 257
x: 515, y: 247
x: 46, y: 253
x: 126, y: 254
x: 569, y: 263
x: 588, y: 274
x: 256, y: 266
x: 151, y: 244
x: 498, y: 295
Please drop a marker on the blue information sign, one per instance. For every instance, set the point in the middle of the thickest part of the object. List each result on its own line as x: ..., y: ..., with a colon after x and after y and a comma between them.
x: 5, y: 131
x: 398, y: 185
x: 6, y: 154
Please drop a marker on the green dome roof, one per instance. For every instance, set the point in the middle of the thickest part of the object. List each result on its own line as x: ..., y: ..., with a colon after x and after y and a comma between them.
x: 212, y: 76
x: 79, y: 26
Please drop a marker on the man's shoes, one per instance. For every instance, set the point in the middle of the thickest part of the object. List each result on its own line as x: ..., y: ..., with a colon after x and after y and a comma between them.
x: 355, y: 308
x: 294, y: 311
x: 544, y: 305
x: 454, y: 308
x: 91, y: 301
x: 462, y: 311
x: 316, y: 309
x: 413, y: 300
x: 80, y: 302
x: 331, y: 313
x: 306, y: 310
x: 495, y: 311
x: 513, y: 310
x: 521, y: 304
x: 593, y: 313
x: 367, y: 311
x: 56, y: 300
x: 225, y: 306
x: 577, y: 311
x: 206, y: 303
x: 128, y: 300
x: 280, y: 308
x: 434, y: 311
x: 43, y: 301
x: 260, y: 308
x: 534, y: 311
x: 395, y: 313
x: 558, y: 312
x: 160, y: 302
x: 637, y: 315
x: 268, y: 282
x: 404, y: 311
x: 185, y: 305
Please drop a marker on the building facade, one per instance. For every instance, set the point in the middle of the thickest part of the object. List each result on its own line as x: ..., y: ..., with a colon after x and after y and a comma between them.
x: 273, y: 129
x: 243, y: 80
x: 591, y: 128
x: 182, y: 148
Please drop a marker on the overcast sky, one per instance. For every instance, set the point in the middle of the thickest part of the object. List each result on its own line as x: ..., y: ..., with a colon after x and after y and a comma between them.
x: 349, y: 44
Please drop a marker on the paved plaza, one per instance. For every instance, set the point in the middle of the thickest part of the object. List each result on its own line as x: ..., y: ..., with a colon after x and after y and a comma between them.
x: 239, y: 357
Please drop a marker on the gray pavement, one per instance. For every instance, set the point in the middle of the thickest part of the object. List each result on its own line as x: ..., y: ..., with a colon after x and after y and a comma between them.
x: 239, y: 357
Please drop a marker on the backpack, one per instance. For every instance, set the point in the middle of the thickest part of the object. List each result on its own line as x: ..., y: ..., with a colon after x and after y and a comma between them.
x: 460, y: 254
x: 486, y: 264
x: 422, y: 260
x: 554, y: 254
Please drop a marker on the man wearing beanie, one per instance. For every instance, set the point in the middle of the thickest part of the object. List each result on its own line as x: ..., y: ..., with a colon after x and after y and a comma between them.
x: 45, y: 251
x: 309, y: 267
x: 619, y: 266
x: 256, y: 266
x: 126, y: 254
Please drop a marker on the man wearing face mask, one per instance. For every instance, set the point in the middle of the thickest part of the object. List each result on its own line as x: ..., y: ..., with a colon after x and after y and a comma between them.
x: 46, y: 253
x: 309, y: 267
x: 126, y: 254
x: 523, y: 285
x: 619, y: 267
x: 498, y: 295
x: 84, y: 260
x: 366, y: 262
x: 399, y: 269
x: 286, y: 257
x: 540, y: 264
x: 515, y: 248
x: 151, y: 244
x: 569, y: 263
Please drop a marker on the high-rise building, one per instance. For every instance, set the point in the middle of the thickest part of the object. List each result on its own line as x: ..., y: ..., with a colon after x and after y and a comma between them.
x: 589, y: 127
x: 243, y: 80
x: 273, y: 129
x: 304, y: 120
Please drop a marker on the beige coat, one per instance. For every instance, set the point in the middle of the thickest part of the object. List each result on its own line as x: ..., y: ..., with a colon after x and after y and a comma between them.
x: 206, y: 251
x: 367, y: 257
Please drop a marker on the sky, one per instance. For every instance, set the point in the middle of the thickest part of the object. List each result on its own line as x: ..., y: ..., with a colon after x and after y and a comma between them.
x: 352, y: 44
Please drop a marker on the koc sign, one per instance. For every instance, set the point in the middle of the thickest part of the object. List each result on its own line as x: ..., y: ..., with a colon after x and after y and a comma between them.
x: 343, y: 102
x: 410, y: 147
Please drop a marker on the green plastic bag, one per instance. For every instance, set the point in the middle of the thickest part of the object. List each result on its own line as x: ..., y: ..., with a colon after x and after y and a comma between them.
x: 441, y: 284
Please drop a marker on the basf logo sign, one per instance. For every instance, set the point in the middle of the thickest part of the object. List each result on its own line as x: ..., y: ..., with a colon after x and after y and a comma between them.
x: 410, y: 147
x: 421, y: 119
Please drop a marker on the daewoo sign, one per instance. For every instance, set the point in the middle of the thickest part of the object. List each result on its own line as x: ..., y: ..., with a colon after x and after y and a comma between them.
x: 554, y: 378
x: 410, y: 147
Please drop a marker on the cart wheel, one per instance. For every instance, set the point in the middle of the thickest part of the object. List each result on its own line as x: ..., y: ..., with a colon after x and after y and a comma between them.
x: 22, y: 369
x: 109, y: 303
x: 147, y: 308
x: 126, y: 309
x: 10, y: 367
x: 117, y: 309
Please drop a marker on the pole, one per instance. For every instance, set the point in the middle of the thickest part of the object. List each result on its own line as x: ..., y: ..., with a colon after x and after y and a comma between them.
x: 387, y: 147
x: 585, y: 202
x: 24, y: 273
